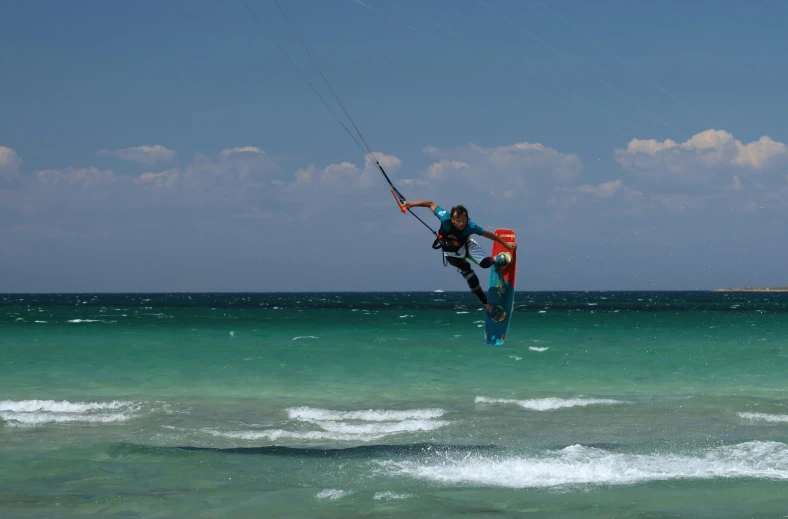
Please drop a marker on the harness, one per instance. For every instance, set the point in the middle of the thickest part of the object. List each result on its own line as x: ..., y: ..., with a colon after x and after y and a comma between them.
x: 448, y: 242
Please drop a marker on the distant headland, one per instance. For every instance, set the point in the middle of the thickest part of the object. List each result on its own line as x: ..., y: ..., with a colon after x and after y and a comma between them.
x: 750, y: 289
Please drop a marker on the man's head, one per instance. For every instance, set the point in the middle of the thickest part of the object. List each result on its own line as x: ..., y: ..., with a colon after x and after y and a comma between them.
x: 459, y: 217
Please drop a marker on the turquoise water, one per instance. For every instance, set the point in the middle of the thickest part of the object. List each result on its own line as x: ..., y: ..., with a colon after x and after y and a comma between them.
x: 390, y: 405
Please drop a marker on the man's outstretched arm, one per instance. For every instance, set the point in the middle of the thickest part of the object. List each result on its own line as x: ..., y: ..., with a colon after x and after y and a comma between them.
x: 493, y: 237
x: 422, y: 203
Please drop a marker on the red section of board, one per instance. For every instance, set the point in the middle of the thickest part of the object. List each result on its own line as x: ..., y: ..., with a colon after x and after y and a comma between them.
x: 510, y: 271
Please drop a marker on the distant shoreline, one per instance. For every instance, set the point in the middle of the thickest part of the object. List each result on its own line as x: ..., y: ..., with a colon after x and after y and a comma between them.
x: 748, y: 289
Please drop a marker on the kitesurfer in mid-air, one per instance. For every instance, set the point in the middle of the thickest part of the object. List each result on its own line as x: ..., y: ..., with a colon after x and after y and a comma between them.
x: 458, y: 246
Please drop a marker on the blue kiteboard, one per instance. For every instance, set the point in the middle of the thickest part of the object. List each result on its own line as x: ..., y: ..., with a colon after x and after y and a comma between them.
x: 501, y: 290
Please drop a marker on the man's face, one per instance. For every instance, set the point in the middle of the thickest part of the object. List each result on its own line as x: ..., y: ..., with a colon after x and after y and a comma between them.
x: 459, y: 221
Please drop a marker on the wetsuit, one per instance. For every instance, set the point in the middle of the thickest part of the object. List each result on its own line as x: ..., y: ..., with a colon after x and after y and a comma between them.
x: 461, y: 247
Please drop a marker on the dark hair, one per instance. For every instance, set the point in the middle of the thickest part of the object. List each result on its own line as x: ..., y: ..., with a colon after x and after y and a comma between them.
x: 459, y: 210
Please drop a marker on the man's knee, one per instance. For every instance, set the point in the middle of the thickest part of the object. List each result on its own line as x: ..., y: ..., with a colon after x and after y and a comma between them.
x: 471, y: 279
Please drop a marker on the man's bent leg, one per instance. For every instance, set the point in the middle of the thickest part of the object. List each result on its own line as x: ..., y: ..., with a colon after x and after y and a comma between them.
x: 476, y: 254
x: 470, y: 277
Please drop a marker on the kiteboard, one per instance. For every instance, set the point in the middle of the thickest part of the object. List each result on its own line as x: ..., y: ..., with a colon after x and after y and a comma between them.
x: 501, y: 290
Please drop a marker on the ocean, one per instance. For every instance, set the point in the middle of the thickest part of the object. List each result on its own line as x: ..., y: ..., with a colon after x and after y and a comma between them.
x: 350, y: 405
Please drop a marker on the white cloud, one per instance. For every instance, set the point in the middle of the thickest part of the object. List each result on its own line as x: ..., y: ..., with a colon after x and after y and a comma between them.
x: 234, y: 168
x: 412, y: 182
x: 239, y: 162
x: 346, y: 175
x: 9, y: 162
x: 605, y: 190
x: 83, y: 177
x: 305, y: 175
x: 246, y: 149
x: 761, y: 153
x: 145, y: 155
x: 371, y: 175
x: 159, y: 181
x: 509, y: 167
x: 340, y: 174
x: 438, y: 170
x: 707, y: 149
x: 564, y: 167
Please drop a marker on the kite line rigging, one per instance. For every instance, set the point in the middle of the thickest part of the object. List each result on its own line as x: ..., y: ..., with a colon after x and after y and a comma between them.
x: 398, y: 196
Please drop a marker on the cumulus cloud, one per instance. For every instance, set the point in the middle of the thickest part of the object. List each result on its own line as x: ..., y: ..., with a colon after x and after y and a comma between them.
x: 82, y: 177
x: 761, y: 153
x: 707, y: 149
x: 605, y: 190
x: 346, y: 175
x: 371, y: 174
x: 563, y: 167
x: 145, y: 155
x: 235, y: 168
x: 512, y: 167
x: 245, y: 149
x: 159, y: 181
x: 413, y: 182
x: 9, y: 162
x: 340, y: 174
x: 438, y: 170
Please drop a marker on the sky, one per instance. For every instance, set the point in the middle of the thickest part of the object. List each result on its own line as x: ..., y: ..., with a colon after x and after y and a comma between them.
x: 191, y: 146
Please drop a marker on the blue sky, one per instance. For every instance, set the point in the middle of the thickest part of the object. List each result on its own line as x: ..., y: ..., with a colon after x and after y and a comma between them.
x: 171, y: 146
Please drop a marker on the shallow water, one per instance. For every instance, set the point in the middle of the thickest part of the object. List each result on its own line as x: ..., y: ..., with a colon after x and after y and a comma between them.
x: 348, y: 405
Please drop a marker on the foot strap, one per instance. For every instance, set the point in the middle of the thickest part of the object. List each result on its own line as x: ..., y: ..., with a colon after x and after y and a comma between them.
x: 498, y: 314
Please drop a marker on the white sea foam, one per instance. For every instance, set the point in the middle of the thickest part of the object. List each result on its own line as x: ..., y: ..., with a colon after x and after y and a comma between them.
x: 378, y: 429
x: 85, y: 321
x: 332, y: 493
x: 32, y: 420
x: 342, y: 426
x: 579, y: 465
x: 765, y: 417
x: 280, y: 435
x: 309, y: 414
x: 29, y: 406
x: 31, y: 413
x: 515, y: 357
x: 389, y: 496
x: 537, y: 348
x: 548, y: 404
x: 305, y: 337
